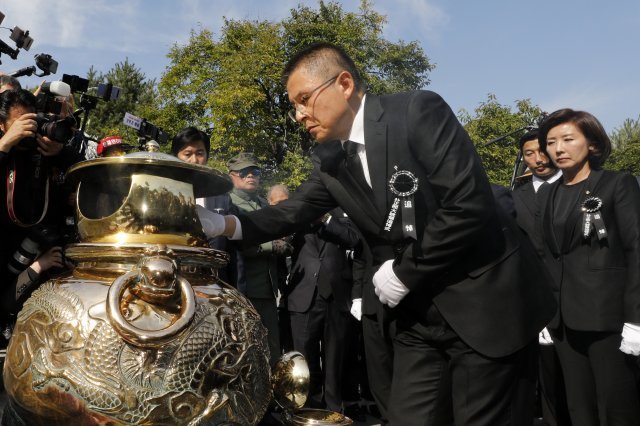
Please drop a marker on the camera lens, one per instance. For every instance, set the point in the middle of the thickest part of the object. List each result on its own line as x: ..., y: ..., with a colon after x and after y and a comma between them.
x: 24, y: 256
x: 60, y: 130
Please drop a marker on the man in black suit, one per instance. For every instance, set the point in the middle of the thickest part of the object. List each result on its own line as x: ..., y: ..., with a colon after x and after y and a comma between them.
x: 553, y: 399
x: 447, y: 263
x: 318, y: 298
x: 543, y: 171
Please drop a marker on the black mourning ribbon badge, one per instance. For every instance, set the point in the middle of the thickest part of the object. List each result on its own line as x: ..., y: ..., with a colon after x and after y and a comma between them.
x: 592, y: 218
x: 403, y: 184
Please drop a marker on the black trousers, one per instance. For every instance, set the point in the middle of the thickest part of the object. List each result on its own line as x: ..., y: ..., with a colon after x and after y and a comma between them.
x: 440, y: 380
x: 378, y: 332
x: 320, y: 335
x: 269, y: 315
x: 600, y: 379
x: 553, y: 397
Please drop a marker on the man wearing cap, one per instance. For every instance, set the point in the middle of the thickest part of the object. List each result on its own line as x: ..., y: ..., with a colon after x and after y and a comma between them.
x: 257, y: 265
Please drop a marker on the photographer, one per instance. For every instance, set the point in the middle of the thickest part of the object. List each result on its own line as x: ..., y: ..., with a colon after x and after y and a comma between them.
x: 30, y: 218
x: 18, y: 123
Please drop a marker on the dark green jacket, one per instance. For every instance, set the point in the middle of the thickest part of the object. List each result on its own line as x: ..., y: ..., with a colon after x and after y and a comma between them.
x: 260, y: 270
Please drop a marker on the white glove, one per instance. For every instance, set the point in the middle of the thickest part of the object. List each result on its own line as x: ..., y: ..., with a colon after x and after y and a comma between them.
x: 630, y: 339
x: 388, y: 287
x: 356, y: 309
x: 213, y: 224
x: 544, y: 338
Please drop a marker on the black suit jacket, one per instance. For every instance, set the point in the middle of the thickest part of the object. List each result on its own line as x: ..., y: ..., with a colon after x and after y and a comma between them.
x: 524, y: 199
x: 597, y: 282
x: 527, y: 207
x: 467, y: 259
x: 319, y: 261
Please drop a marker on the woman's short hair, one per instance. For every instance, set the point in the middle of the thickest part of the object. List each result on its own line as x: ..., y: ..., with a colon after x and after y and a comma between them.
x: 590, y: 127
x: 190, y: 135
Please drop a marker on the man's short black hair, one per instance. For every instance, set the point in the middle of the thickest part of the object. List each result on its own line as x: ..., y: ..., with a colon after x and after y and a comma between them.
x: 13, y: 98
x: 529, y: 136
x: 187, y: 136
x: 11, y: 81
x: 316, y: 55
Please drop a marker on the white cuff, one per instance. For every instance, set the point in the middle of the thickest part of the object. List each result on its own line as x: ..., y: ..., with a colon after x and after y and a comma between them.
x: 630, y: 339
x: 356, y: 309
x: 237, y: 234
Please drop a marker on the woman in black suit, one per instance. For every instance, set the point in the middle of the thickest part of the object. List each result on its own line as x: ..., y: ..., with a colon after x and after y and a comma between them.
x: 591, y: 225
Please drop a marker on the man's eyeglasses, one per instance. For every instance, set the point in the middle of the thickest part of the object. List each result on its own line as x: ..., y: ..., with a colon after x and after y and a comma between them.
x: 255, y: 172
x: 301, y: 107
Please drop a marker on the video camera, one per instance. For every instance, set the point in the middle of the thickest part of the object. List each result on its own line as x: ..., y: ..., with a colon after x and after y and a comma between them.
x: 105, y: 92
x: 45, y: 62
x: 20, y: 37
x: 147, y: 132
x: 49, y: 108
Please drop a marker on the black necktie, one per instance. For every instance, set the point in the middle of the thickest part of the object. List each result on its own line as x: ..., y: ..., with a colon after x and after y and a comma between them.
x: 354, y: 165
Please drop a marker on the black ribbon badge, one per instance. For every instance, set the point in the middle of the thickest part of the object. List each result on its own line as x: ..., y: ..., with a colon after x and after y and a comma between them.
x: 403, y: 184
x: 592, y: 218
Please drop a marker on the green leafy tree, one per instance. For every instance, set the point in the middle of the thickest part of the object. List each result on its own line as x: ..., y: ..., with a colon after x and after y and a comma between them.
x: 626, y: 147
x: 136, y: 94
x: 493, y: 120
x: 626, y: 134
x: 231, y: 85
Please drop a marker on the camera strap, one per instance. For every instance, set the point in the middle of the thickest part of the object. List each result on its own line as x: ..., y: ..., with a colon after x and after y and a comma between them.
x: 12, y: 176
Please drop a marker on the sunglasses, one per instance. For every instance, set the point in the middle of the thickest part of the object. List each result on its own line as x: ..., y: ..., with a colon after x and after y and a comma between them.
x: 249, y: 171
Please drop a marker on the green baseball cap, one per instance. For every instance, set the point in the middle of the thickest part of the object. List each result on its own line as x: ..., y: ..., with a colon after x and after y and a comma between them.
x: 242, y: 161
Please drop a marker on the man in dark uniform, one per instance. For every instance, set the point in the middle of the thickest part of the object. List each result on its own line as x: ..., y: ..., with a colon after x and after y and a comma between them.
x: 463, y: 287
x: 318, y: 298
x: 552, y: 395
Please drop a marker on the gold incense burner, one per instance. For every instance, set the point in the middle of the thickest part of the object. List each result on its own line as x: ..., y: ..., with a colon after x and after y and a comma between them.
x: 142, y: 331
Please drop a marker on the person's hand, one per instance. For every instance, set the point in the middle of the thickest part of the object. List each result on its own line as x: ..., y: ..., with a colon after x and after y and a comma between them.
x: 23, y: 127
x: 388, y: 287
x: 48, y: 147
x: 544, y: 338
x: 49, y: 259
x: 39, y: 88
x: 213, y: 224
x: 356, y: 309
x: 630, y: 339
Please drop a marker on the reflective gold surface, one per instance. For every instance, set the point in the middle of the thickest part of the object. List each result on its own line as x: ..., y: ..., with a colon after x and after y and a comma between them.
x: 142, y: 331
x: 290, y: 380
x: 315, y: 417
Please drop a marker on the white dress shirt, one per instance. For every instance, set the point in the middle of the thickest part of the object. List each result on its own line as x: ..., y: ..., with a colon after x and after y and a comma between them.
x: 357, y: 136
x: 537, y: 182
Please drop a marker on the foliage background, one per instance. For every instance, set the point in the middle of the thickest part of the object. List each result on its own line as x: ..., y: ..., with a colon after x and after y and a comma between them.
x: 228, y: 84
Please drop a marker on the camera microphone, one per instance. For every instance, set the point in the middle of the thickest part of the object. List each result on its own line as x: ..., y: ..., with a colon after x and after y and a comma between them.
x: 58, y: 88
